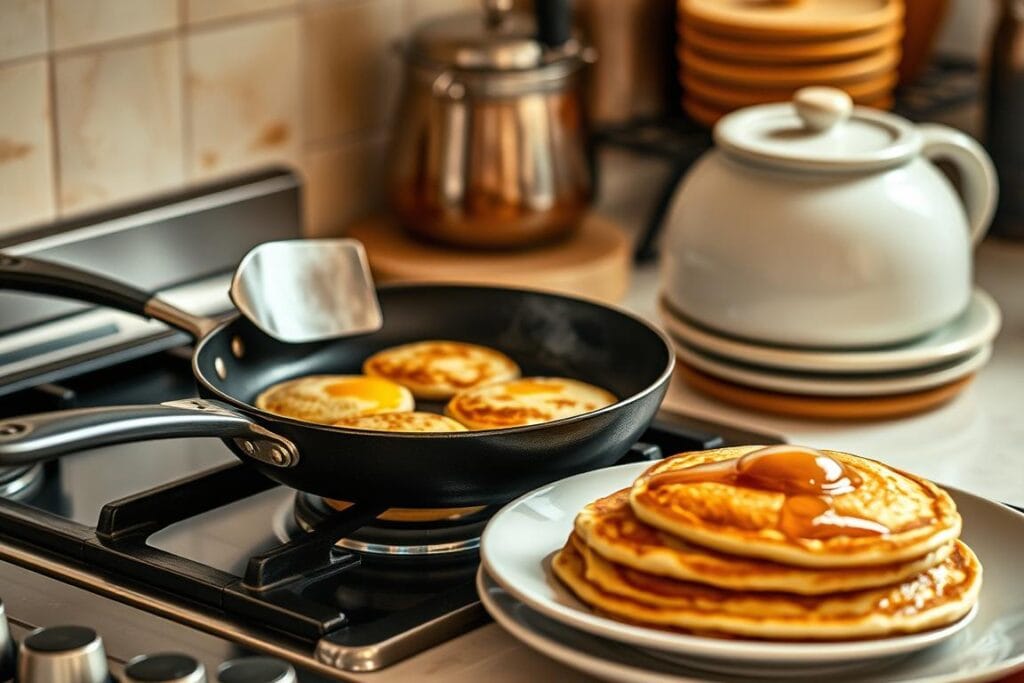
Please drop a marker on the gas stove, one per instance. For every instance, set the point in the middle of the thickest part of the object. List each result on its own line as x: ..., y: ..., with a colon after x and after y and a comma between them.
x: 176, y: 547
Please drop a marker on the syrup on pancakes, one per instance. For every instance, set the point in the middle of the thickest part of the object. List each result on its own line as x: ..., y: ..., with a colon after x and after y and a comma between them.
x: 808, y: 478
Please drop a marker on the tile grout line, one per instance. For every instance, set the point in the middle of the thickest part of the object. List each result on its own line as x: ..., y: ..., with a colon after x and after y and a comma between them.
x: 134, y: 40
x: 147, y: 37
x: 305, y: 166
x: 233, y: 21
x: 302, y: 13
x: 55, y: 137
x: 187, y: 134
x: 24, y: 59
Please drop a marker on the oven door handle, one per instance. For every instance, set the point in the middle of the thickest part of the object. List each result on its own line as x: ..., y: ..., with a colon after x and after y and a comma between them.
x: 45, y: 436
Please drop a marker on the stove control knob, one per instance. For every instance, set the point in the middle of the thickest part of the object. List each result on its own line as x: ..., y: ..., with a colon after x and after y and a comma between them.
x: 7, y: 653
x: 62, y: 654
x: 256, y: 670
x: 166, y: 667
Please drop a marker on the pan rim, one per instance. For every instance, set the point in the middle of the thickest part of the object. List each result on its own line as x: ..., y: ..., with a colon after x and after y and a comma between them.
x: 266, y: 416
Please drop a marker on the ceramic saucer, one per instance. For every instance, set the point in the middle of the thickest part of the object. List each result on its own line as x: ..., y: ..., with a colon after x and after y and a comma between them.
x: 817, y: 384
x: 975, y: 327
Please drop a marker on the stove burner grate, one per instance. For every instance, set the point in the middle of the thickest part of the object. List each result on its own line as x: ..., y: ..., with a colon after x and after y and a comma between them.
x: 453, y: 537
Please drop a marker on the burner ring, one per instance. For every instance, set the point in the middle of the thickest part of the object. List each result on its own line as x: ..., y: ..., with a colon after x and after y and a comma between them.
x: 409, y: 550
x: 446, y: 538
x: 20, y: 483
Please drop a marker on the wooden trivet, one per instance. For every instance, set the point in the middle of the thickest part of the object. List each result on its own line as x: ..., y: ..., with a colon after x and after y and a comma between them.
x: 595, y: 262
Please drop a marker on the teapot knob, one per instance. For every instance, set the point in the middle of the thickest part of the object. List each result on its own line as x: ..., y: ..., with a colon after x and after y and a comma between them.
x: 821, y: 108
x: 496, y: 11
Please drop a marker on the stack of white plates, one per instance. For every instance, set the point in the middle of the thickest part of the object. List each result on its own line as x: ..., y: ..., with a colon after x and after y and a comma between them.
x: 944, y: 356
x: 520, y: 592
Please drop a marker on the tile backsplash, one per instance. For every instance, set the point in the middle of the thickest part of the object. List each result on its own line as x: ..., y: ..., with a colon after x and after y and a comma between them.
x: 106, y: 101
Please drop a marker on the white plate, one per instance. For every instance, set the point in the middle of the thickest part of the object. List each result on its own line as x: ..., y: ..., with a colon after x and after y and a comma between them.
x: 953, y: 661
x: 520, y: 539
x: 814, y: 384
x: 974, y: 328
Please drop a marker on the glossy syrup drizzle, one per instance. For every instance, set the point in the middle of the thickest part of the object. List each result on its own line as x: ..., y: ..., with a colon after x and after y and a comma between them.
x: 808, y: 478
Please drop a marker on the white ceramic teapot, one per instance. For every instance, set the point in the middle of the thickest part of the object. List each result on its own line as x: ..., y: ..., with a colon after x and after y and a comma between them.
x: 815, y: 223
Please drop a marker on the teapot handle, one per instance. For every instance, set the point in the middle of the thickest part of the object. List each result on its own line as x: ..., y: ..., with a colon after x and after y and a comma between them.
x: 977, y: 174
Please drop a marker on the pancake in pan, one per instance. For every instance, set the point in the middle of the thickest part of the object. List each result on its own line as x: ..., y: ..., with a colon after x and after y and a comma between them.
x: 402, y: 422
x: 526, y: 401
x: 796, y: 506
x: 437, y: 370
x: 329, y: 398
x: 934, y: 598
x: 609, y: 528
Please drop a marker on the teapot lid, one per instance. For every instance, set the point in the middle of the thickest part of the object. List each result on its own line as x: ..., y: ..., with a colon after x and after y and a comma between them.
x: 820, y: 130
x: 498, y: 39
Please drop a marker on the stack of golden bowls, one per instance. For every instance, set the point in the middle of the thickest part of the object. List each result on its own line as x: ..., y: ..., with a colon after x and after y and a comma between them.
x: 737, y: 53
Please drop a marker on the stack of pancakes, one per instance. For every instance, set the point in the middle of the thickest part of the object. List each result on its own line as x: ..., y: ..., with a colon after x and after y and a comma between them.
x: 784, y: 544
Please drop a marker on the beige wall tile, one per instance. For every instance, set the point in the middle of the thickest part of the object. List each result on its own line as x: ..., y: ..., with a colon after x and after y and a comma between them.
x: 22, y: 28
x: 419, y: 10
x: 352, y: 76
x: 244, y: 96
x: 343, y: 184
x: 119, y: 123
x: 85, y: 22
x: 209, y: 10
x: 26, y: 172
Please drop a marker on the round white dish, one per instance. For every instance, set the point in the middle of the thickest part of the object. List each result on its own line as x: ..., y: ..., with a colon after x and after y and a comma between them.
x: 518, y: 542
x: 974, y: 328
x: 816, y: 384
x: 612, y: 661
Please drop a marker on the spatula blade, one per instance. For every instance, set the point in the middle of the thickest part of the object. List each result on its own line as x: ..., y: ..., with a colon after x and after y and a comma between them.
x: 307, y: 290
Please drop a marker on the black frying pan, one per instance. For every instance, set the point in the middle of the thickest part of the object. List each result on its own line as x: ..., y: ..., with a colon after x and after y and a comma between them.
x: 234, y: 361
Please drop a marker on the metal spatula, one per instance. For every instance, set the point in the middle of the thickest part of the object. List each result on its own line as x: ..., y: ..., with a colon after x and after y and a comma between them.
x: 307, y: 290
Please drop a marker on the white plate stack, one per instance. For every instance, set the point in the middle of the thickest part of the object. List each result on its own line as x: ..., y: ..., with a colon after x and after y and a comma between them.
x: 839, y: 382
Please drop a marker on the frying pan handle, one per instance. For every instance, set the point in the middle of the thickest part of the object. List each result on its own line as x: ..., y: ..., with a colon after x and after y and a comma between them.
x: 55, y: 279
x: 45, y: 436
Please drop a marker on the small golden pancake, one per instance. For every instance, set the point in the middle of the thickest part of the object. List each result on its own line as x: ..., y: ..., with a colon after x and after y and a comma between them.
x: 439, y: 369
x: 933, y: 598
x: 863, y: 514
x: 526, y: 401
x: 329, y: 398
x: 609, y: 528
x: 402, y: 422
